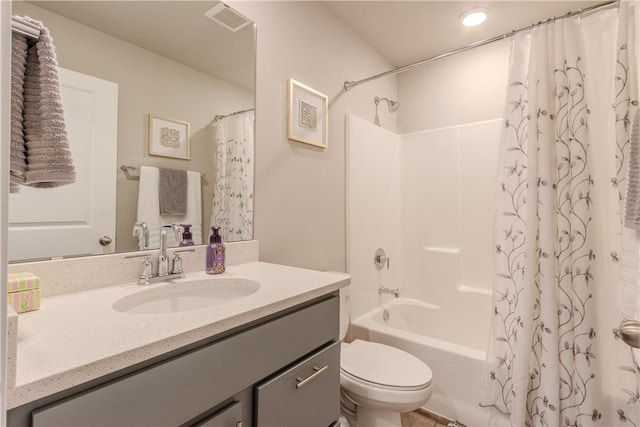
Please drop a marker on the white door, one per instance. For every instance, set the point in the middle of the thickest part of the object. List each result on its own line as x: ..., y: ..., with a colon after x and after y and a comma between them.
x: 70, y: 220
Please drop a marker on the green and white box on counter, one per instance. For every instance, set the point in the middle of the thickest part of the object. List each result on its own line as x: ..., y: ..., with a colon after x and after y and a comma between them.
x: 24, y: 291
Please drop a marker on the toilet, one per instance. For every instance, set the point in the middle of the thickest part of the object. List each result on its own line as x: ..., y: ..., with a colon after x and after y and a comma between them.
x: 379, y: 380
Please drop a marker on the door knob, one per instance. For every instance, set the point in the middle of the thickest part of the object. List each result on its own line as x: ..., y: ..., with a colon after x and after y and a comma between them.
x: 105, y: 240
x: 630, y: 332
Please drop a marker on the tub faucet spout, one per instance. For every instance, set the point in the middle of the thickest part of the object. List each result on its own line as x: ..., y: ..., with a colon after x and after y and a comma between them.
x: 383, y: 290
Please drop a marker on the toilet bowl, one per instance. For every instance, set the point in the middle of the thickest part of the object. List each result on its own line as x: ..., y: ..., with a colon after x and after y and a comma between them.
x: 381, y: 381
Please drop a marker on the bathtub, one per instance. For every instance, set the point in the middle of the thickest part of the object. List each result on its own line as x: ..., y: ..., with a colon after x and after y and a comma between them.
x: 417, y: 328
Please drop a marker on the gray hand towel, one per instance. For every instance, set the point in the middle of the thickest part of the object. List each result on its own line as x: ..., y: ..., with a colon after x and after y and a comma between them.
x: 47, y: 156
x: 172, y: 191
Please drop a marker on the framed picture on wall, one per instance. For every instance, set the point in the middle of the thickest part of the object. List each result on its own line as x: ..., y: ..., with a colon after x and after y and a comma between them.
x: 169, y: 138
x: 307, y: 115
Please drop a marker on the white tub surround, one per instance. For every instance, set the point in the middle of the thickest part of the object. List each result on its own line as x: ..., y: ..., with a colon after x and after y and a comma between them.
x: 77, y: 337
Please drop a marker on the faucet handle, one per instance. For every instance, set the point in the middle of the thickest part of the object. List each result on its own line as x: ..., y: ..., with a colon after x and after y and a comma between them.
x: 177, y: 230
x: 147, y: 268
x: 177, y: 261
x: 144, y: 228
x: 146, y: 271
x: 177, y: 264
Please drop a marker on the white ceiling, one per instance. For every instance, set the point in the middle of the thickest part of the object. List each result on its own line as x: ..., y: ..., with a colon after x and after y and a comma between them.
x: 405, y: 32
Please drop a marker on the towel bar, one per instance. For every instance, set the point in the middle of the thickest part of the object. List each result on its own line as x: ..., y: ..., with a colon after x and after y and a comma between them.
x: 128, y: 169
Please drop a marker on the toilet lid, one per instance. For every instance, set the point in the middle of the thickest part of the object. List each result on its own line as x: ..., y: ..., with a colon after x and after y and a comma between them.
x: 384, y: 365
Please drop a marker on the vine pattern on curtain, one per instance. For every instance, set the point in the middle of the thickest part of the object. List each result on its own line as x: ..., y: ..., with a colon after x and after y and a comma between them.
x: 232, y: 207
x: 546, y: 362
x: 626, y: 102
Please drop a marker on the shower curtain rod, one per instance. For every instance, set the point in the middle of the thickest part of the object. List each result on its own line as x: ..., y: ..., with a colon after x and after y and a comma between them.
x: 348, y: 85
x: 224, y: 116
x: 20, y: 26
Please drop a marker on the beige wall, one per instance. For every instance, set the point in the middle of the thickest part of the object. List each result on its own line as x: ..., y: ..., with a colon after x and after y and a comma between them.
x: 466, y: 88
x: 300, y: 190
x: 147, y: 83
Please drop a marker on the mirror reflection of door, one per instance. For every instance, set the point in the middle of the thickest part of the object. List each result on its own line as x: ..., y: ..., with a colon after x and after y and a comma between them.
x: 40, y: 219
x: 169, y: 59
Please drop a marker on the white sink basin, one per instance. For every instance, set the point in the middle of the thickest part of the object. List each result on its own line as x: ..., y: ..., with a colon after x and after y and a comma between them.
x: 186, y: 295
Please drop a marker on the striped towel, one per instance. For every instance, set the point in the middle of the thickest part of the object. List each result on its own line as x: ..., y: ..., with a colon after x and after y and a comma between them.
x: 18, y: 165
x: 41, y: 157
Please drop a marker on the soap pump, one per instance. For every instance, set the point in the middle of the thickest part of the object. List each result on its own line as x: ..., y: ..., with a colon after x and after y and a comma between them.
x: 215, y: 252
x: 187, y: 237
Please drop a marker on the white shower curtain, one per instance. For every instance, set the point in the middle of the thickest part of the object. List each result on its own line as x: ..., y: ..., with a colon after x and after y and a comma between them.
x: 233, y: 194
x: 554, y: 358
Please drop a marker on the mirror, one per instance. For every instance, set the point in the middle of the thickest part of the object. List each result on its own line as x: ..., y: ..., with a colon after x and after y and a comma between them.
x: 172, y: 60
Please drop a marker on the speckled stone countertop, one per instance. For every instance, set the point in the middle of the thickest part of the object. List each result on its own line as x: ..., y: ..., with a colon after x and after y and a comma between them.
x: 77, y: 337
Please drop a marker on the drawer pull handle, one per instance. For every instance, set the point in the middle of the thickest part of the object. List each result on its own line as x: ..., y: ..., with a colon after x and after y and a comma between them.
x: 317, y: 372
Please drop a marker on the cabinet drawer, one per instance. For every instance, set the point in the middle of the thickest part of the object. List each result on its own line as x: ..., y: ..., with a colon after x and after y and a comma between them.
x: 307, y: 394
x: 231, y: 416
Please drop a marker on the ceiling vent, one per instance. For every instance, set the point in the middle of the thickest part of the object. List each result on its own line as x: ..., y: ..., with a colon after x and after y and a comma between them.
x: 227, y: 17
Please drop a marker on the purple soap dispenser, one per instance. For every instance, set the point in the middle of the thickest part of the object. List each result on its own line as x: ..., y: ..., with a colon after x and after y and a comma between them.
x: 215, y: 252
x: 187, y: 237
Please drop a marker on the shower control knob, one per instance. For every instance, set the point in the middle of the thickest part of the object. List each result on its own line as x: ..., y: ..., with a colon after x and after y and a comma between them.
x: 105, y: 240
x: 380, y: 259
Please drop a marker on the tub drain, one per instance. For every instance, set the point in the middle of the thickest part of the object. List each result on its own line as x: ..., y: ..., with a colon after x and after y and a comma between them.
x: 385, y: 314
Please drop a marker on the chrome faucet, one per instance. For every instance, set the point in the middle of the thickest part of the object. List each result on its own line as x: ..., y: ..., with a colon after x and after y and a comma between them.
x: 163, y: 272
x: 163, y: 261
x: 382, y: 290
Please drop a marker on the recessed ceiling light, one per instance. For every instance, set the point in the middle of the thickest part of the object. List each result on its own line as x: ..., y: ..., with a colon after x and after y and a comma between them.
x: 474, y: 17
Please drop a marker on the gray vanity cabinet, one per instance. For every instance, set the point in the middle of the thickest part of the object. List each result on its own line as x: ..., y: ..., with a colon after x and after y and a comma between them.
x: 302, y: 395
x: 278, y: 371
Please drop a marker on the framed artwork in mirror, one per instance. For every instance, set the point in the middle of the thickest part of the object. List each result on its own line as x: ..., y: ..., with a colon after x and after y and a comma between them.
x: 307, y: 115
x: 169, y: 138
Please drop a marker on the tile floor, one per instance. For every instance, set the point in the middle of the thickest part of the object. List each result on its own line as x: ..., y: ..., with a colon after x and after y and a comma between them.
x: 422, y: 419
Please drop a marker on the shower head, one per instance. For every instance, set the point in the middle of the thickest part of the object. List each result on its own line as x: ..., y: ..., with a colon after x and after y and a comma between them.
x: 393, y: 105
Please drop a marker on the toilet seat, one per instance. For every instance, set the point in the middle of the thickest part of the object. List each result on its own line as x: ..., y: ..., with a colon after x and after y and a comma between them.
x: 384, y: 367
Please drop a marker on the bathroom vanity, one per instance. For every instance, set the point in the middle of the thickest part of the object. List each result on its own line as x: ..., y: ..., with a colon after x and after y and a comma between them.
x: 267, y: 359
